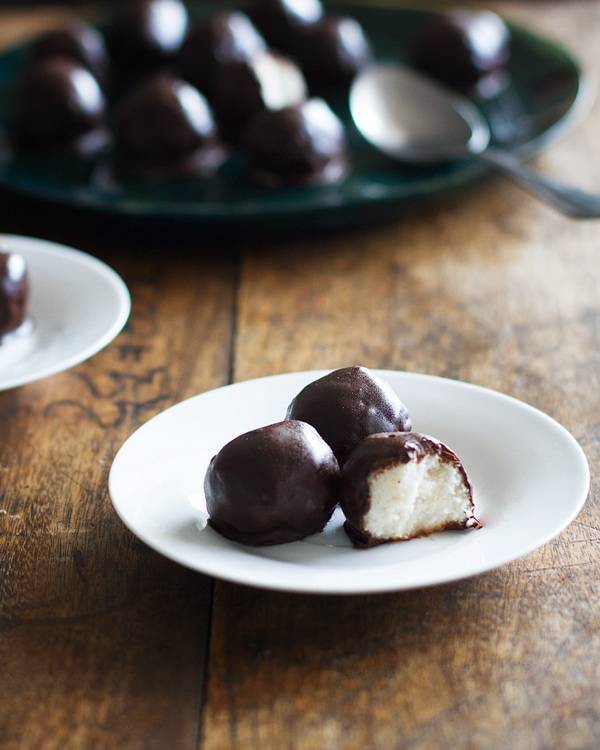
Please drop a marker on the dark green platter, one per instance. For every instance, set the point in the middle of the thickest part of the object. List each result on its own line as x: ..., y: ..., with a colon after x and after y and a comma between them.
x: 538, y: 103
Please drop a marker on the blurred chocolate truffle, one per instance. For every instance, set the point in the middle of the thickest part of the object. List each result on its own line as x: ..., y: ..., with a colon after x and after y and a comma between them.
x: 282, y: 21
x: 273, y: 485
x: 462, y: 47
x: 333, y: 51
x: 146, y: 35
x: 346, y: 406
x: 75, y: 41
x: 164, y: 128
x: 14, y: 290
x: 300, y: 145
x: 398, y: 486
x: 59, y: 106
x: 223, y: 38
x: 267, y: 82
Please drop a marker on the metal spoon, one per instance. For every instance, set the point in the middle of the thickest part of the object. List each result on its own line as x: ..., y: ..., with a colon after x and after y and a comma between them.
x: 410, y: 118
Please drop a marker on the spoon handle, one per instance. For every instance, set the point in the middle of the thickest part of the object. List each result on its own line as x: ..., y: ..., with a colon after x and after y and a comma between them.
x: 568, y: 200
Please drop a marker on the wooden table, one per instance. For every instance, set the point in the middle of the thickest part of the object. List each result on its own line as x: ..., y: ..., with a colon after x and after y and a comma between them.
x: 104, y: 644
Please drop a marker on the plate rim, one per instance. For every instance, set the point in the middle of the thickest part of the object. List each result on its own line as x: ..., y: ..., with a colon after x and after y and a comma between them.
x: 378, y: 586
x: 48, y: 248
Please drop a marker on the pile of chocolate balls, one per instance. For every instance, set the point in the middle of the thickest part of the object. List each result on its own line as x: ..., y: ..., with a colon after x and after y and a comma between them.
x: 168, y: 99
x: 174, y: 99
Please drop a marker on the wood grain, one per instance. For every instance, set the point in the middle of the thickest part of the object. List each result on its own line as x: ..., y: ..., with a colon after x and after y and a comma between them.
x: 495, y: 289
x: 15, y: 26
x: 102, y: 642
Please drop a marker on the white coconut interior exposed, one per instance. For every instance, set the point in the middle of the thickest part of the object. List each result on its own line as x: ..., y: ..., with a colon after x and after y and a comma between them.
x: 412, y: 498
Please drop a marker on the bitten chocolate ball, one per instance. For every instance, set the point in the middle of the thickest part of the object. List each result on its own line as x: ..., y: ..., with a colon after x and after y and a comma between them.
x: 164, y: 128
x: 226, y: 37
x: 303, y: 145
x: 333, y: 51
x: 76, y: 41
x: 282, y: 21
x: 462, y: 47
x: 59, y: 106
x: 14, y: 291
x: 398, y: 486
x: 146, y: 35
x: 348, y: 405
x: 243, y: 89
x: 273, y: 485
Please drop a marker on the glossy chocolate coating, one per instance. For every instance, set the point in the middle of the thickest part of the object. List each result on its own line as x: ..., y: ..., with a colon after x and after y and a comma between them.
x: 267, y: 82
x: 75, y: 41
x: 164, y: 128
x: 297, y: 146
x: 384, y: 451
x: 282, y: 21
x: 14, y: 290
x: 58, y: 106
x: 462, y: 47
x: 146, y: 35
x: 334, y: 50
x: 348, y: 405
x: 273, y: 485
x: 226, y: 37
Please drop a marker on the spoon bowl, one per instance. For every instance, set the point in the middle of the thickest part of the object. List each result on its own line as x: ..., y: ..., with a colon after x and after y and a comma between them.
x: 410, y: 118
x: 413, y: 119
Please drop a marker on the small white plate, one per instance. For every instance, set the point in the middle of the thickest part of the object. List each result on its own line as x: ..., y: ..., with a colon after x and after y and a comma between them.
x: 531, y: 479
x: 77, y: 306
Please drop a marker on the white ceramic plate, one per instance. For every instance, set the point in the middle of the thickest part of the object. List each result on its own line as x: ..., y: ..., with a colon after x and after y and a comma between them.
x: 531, y: 478
x: 77, y: 305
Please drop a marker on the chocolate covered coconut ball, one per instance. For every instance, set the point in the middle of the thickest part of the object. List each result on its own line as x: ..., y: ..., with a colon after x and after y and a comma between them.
x: 333, y: 51
x: 146, y: 35
x: 273, y: 485
x: 347, y: 406
x: 267, y: 82
x: 226, y: 37
x: 398, y: 486
x: 77, y: 41
x: 164, y: 128
x: 14, y: 290
x: 282, y: 21
x: 462, y: 47
x: 59, y: 106
x: 303, y: 145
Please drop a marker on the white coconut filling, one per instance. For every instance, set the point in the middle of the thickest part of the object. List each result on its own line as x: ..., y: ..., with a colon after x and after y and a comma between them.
x: 413, y: 498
